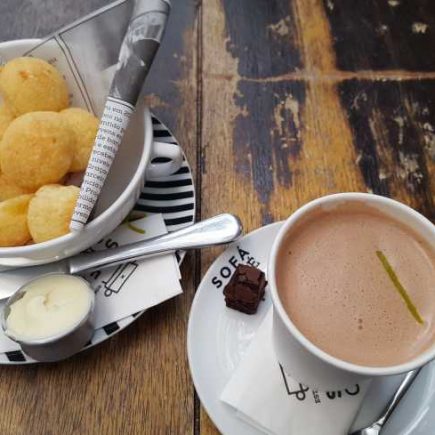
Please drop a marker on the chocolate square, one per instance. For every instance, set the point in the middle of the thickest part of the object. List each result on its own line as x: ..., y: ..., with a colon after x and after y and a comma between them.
x: 245, y: 289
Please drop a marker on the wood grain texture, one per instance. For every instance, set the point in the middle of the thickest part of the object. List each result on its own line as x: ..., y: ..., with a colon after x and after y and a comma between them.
x: 372, y: 35
x: 276, y: 102
x: 134, y: 383
x: 138, y: 381
x: 392, y: 126
x: 21, y: 19
x: 325, y: 116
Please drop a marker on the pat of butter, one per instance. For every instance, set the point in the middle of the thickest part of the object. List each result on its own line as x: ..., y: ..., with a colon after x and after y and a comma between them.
x: 50, y: 306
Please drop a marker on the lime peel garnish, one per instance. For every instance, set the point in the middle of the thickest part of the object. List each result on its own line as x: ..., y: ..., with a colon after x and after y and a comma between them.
x: 135, y: 228
x: 128, y: 221
x: 399, y: 287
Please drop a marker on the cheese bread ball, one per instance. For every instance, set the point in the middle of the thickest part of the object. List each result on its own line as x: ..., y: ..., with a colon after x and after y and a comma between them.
x: 8, y: 189
x: 6, y: 117
x: 85, y: 127
x: 37, y: 149
x: 28, y: 84
x: 13, y: 221
x: 50, y: 211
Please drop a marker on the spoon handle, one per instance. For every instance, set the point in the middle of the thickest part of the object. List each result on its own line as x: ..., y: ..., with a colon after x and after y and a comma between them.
x: 398, y: 395
x: 217, y: 230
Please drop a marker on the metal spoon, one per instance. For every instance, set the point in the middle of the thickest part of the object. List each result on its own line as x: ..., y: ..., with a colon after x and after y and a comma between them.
x: 217, y: 230
x: 376, y: 427
x: 221, y: 229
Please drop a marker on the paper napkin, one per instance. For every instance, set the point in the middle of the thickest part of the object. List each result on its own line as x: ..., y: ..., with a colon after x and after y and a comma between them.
x: 264, y: 396
x: 138, y: 285
x: 121, y: 290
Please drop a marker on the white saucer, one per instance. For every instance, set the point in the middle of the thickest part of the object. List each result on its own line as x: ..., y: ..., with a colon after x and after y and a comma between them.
x: 218, y: 338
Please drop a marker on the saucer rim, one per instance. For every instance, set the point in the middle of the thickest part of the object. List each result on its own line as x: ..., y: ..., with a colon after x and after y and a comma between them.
x: 195, y: 302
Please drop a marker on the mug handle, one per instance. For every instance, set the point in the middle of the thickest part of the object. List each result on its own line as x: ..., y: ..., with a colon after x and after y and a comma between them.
x: 169, y: 151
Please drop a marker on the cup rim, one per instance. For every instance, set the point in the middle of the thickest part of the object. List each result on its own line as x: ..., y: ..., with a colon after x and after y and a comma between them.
x: 99, y: 220
x: 416, y: 362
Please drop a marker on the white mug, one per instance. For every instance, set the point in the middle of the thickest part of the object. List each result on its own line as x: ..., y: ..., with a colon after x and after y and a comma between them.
x: 299, y: 357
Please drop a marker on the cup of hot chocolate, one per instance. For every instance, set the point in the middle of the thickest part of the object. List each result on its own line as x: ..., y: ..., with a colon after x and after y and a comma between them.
x: 352, y: 281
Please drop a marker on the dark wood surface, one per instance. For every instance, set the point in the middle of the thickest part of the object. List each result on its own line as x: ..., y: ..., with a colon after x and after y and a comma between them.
x: 275, y: 103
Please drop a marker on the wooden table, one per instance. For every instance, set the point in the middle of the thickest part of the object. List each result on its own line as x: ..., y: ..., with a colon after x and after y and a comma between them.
x: 275, y: 103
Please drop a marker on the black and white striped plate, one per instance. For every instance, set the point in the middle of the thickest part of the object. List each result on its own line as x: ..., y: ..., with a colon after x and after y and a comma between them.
x: 174, y: 198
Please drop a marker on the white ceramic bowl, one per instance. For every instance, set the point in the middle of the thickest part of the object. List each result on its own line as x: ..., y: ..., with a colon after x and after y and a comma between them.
x: 121, y: 190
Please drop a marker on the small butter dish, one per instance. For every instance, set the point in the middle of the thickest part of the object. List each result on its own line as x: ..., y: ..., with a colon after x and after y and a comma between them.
x: 50, y: 317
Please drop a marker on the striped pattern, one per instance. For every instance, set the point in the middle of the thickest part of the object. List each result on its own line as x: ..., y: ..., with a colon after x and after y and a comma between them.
x: 174, y: 198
